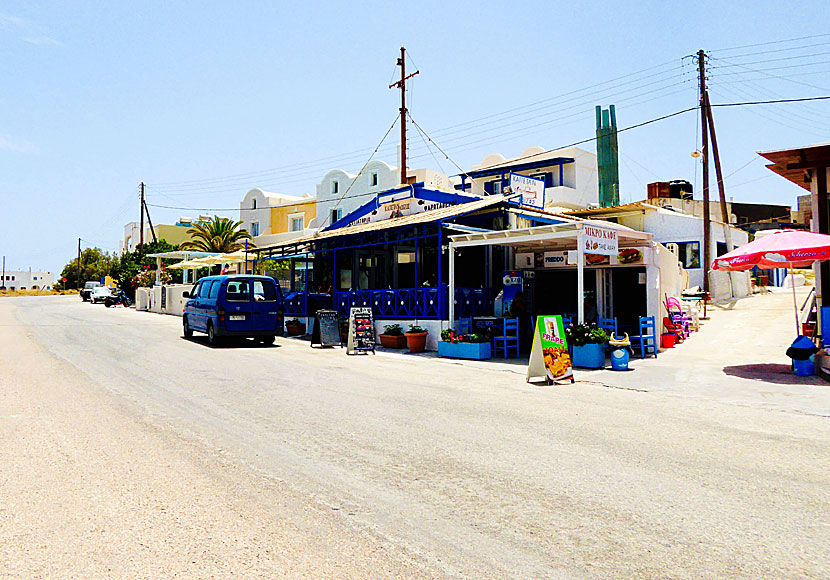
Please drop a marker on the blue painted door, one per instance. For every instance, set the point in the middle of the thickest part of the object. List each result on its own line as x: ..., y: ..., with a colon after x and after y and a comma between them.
x: 265, y: 305
x: 238, y: 305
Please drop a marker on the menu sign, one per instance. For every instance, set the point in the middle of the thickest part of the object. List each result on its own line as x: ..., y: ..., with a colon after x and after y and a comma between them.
x: 361, y: 331
x: 602, y: 241
x: 549, y: 356
x: 326, y: 330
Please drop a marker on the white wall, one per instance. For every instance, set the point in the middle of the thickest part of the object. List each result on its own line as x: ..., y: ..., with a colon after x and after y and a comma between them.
x: 19, y: 279
x: 361, y: 192
x: 579, y: 180
x: 668, y: 226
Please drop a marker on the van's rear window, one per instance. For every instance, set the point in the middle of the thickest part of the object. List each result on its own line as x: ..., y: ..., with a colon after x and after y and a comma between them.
x: 264, y: 291
x: 238, y: 291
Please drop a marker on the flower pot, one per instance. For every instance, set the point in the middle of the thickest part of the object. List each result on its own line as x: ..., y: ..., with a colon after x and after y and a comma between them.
x: 295, y: 329
x: 589, y: 356
x: 667, y: 340
x: 468, y: 350
x: 392, y: 340
x: 416, y: 341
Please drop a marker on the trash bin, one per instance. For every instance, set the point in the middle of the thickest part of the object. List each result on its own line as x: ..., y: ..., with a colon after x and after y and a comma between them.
x: 619, y: 352
x: 803, y: 351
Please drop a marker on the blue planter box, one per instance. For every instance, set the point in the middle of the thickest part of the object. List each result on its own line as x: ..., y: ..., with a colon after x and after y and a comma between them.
x: 469, y: 350
x: 589, y: 356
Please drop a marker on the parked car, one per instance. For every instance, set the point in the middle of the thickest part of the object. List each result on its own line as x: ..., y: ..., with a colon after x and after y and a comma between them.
x: 99, y: 294
x: 87, y: 289
x: 238, y: 306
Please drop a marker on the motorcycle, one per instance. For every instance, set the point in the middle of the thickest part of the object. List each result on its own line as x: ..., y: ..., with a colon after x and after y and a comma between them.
x: 116, y: 299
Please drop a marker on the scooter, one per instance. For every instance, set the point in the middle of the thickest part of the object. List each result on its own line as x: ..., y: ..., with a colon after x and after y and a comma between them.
x: 116, y: 299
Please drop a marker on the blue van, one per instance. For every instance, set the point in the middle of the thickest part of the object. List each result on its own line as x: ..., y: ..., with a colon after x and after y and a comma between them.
x: 240, y: 306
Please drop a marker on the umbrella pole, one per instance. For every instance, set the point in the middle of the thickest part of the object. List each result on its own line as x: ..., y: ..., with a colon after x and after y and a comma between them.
x: 795, y: 304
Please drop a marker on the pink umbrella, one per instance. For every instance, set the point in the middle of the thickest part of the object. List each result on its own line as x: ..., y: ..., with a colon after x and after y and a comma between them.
x: 781, y: 249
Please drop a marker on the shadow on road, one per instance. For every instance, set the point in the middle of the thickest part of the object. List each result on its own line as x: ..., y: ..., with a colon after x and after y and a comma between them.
x: 781, y: 374
x: 230, y: 342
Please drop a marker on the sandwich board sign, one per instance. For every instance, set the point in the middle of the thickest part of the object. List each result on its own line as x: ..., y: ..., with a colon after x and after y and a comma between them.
x: 361, y: 331
x: 326, y: 330
x: 549, y: 356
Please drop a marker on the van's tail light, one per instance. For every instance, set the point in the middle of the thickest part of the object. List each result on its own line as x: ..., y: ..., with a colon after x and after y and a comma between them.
x: 280, y: 316
x: 221, y: 314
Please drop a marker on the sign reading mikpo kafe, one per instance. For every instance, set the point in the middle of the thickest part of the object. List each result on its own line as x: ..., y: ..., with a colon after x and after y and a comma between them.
x: 596, y: 240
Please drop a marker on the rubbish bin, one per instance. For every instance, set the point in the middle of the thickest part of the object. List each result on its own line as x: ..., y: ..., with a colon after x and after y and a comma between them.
x: 803, y: 351
x: 619, y: 352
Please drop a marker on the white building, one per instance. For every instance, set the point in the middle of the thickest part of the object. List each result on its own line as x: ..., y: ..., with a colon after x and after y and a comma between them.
x: 570, y: 175
x: 255, y: 210
x: 27, y: 280
x: 679, y: 232
x: 337, y: 195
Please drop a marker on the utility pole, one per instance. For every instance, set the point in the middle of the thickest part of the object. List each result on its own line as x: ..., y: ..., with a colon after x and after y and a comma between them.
x: 150, y: 223
x: 401, y: 84
x: 79, y: 265
x: 724, y: 211
x: 704, y: 150
x: 3, y: 278
x: 141, y: 233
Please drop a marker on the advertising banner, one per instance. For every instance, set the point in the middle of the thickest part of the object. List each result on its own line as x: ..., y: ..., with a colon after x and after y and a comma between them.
x: 549, y: 356
x: 596, y: 240
x: 399, y: 208
x: 532, y: 190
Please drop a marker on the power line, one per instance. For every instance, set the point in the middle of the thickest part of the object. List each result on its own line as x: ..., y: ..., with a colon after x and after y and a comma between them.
x: 773, y: 42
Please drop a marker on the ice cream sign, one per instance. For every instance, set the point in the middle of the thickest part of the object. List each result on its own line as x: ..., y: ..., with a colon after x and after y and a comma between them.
x: 599, y: 241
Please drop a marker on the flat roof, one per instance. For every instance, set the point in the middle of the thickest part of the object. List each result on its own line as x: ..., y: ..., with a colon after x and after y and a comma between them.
x: 794, y: 164
x: 182, y: 255
x: 562, y: 236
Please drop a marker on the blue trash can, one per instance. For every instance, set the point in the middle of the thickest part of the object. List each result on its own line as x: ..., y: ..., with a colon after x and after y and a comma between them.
x: 619, y: 359
x: 805, y: 368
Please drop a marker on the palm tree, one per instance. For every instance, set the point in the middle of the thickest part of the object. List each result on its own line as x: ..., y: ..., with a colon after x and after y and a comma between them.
x: 219, y: 235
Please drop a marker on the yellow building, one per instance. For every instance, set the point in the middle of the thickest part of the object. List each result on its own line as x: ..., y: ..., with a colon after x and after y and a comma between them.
x: 270, y: 217
x: 293, y: 217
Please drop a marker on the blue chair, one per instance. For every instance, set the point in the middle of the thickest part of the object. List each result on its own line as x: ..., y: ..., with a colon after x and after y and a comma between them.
x: 465, y: 325
x: 647, y: 339
x: 567, y: 321
x: 608, y: 324
x: 509, y: 338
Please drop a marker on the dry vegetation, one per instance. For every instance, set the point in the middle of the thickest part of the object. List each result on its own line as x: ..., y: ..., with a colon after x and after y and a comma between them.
x: 36, y: 292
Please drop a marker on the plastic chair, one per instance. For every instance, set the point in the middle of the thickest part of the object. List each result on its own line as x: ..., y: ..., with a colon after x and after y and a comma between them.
x: 608, y: 324
x: 647, y: 339
x: 567, y: 321
x: 465, y: 325
x: 509, y: 338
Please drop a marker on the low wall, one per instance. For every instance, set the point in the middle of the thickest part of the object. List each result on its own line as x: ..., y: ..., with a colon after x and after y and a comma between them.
x: 433, y: 326
x: 162, y: 299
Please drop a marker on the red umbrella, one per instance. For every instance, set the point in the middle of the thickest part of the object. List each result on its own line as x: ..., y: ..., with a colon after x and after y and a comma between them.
x: 781, y: 249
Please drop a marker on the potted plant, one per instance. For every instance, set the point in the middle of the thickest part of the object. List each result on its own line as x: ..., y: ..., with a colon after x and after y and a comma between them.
x: 416, y: 338
x: 589, y: 344
x: 392, y: 336
x: 470, y: 346
x: 294, y: 327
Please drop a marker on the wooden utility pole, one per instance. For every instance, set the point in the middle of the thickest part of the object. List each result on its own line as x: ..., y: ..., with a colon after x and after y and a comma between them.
x: 150, y: 223
x: 401, y: 84
x: 78, y: 277
x: 724, y: 211
x: 704, y: 151
x: 141, y: 226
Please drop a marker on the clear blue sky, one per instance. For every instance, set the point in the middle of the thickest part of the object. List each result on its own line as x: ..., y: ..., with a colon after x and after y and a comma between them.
x: 97, y: 97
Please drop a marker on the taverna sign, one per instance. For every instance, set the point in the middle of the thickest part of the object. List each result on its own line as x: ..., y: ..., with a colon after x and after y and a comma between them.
x: 532, y: 189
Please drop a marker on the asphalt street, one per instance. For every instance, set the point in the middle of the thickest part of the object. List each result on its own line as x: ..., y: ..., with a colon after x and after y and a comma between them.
x: 301, y: 462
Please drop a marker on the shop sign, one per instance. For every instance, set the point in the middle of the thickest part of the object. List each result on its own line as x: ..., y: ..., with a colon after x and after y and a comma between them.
x: 549, y: 355
x: 556, y: 259
x: 400, y: 208
x: 532, y: 189
x: 596, y: 240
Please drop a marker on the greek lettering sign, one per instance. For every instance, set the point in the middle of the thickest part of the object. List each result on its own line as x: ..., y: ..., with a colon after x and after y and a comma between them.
x: 549, y: 357
x: 596, y: 240
x: 399, y: 208
x: 532, y: 189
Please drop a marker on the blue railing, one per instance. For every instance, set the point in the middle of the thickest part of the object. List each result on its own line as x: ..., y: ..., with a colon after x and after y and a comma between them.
x: 415, y: 302
x: 295, y: 303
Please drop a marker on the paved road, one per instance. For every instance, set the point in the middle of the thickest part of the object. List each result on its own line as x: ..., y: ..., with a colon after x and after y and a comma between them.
x: 135, y: 450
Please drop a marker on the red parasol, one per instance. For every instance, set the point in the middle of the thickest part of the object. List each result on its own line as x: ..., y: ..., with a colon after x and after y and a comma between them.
x: 781, y: 249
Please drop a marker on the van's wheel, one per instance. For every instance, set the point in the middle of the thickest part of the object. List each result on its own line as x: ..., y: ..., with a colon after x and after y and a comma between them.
x: 213, y: 340
x: 267, y: 340
x: 186, y: 330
